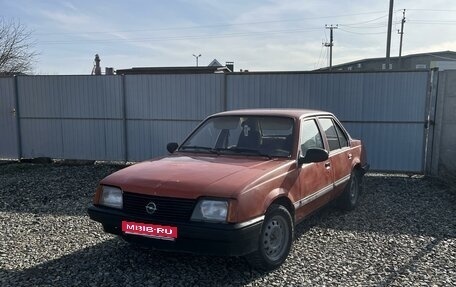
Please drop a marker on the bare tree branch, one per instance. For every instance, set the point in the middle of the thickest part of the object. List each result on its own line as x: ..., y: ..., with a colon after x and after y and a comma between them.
x: 16, y: 48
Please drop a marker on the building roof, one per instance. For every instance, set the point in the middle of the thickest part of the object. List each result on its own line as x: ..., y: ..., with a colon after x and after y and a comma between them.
x: 173, y: 70
x: 432, y: 54
x: 213, y: 67
x: 214, y: 63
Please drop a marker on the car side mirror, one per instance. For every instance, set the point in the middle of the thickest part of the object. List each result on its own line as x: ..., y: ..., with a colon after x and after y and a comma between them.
x: 171, y: 147
x: 313, y: 155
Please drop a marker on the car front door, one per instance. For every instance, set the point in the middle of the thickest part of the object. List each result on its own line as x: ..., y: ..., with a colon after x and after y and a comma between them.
x: 315, y: 179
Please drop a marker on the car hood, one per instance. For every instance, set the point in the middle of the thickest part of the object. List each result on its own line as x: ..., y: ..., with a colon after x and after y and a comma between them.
x: 187, y: 176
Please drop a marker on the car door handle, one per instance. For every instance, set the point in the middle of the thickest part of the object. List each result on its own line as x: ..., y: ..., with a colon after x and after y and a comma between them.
x: 327, y: 164
x: 350, y: 156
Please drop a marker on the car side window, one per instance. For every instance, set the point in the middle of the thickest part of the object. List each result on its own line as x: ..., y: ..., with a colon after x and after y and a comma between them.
x: 343, y: 141
x: 309, y: 136
x: 334, y: 134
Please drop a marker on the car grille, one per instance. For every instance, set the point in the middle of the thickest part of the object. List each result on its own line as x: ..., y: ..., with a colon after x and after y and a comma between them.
x: 175, y: 209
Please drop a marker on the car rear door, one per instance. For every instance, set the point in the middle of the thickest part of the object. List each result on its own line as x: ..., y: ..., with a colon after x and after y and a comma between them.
x: 340, y: 155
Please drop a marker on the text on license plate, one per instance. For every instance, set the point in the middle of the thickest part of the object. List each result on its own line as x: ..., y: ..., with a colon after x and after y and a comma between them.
x: 152, y: 230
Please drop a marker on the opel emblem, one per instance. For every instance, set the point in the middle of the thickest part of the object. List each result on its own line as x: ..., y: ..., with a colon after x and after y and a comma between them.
x: 151, y: 208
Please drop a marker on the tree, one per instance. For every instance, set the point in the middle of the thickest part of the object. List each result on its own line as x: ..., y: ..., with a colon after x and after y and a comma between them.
x: 16, y: 48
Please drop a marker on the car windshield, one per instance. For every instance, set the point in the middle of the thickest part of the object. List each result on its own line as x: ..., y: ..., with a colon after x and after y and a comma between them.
x: 250, y: 135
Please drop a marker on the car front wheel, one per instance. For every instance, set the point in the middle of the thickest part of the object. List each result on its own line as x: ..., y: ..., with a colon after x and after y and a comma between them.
x: 274, y: 241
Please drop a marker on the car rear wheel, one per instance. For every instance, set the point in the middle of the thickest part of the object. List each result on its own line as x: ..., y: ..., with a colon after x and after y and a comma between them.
x: 349, y: 198
x: 275, y: 240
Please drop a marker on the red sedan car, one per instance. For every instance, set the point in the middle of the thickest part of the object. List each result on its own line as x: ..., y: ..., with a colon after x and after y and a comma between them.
x: 237, y: 186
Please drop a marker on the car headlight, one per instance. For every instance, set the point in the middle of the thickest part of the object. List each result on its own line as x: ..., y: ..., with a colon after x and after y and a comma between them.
x: 210, y: 210
x: 111, y: 197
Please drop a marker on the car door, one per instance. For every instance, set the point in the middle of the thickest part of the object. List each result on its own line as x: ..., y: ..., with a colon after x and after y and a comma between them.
x: 339, y: 152
x: 315, y: 179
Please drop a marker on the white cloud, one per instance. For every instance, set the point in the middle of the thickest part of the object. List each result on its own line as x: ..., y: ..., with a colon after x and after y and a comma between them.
x: 66, y: 19
x: 442, y: 46
x: 69, y: 5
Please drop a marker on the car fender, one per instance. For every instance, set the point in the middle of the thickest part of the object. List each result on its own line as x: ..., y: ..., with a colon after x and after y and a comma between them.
x: 275, y: 194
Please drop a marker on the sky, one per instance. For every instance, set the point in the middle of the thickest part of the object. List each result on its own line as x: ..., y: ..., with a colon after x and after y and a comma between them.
x: 267, y: 35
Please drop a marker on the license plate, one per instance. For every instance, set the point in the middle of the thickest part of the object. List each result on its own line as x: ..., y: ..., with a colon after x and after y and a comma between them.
x: 150, y: 230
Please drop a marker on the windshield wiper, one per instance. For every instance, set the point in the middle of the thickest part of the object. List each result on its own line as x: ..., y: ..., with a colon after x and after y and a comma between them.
x: 245, y: 150
x: 199, y: 148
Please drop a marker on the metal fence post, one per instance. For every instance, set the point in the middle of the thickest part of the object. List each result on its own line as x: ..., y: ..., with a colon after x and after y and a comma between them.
x: 124, y: 118
x: 430, y: 120
x: 18, y: 120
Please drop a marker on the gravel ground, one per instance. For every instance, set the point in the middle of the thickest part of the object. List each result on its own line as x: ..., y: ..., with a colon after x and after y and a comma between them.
x: 402, y: 234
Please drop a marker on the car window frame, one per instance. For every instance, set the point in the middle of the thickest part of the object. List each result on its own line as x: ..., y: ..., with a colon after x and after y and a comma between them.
x: 301, y: 121
x: 336, y: 123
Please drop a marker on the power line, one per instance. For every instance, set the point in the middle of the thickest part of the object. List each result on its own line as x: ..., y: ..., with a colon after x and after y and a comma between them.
x: 364, y: 22
x: 319, y: 58
x: 431, y: 10
x: 371, y: 26
x: 188, y: 37
x: 432, y: 21
x: 363, y: 33
x: 210, y: 26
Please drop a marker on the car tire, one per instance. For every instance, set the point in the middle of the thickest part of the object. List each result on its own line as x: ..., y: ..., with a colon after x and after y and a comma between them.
x: 274, y: 241
x: 350, y: 196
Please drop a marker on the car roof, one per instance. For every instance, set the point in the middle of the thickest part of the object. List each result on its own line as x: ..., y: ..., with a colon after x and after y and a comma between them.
x: 293, y: 113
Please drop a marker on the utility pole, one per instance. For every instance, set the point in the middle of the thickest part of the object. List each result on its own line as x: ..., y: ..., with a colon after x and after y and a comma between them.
x: 331, y: 43
x: 401, y: 32
x: 196, y: 57
x: 388, y: 38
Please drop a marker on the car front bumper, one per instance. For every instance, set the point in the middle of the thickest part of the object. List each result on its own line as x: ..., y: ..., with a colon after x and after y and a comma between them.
x: 195, y: 237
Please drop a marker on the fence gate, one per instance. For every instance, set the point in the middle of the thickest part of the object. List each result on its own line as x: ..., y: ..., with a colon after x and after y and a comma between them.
x: 9, y: 148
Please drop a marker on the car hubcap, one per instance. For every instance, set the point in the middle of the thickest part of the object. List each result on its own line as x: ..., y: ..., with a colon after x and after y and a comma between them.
x: 275, y: 237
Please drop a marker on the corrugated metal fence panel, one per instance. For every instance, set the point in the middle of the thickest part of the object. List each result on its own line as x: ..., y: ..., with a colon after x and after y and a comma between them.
x: 390, y: 146
x: 387, y: 109
x: 148, y: 139
x: 394, y: 96
x: 70, y: 96
x: 71, y: 117
x: 174, y: 97
x: 315, y: 91
x: 8, y: 124
x: 165, y: 108
x: 352, y: 96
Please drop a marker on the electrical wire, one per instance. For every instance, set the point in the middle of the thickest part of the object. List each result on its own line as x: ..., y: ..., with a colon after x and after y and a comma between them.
x: 431, y: 10
x: 372, y: 26
x: 431, y: 21
x: 364, y: 22
x: 188, y: 37
x: 192, y: 37
x: 319, y: 57
x: 362, y: 33
x: 210, y: 26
